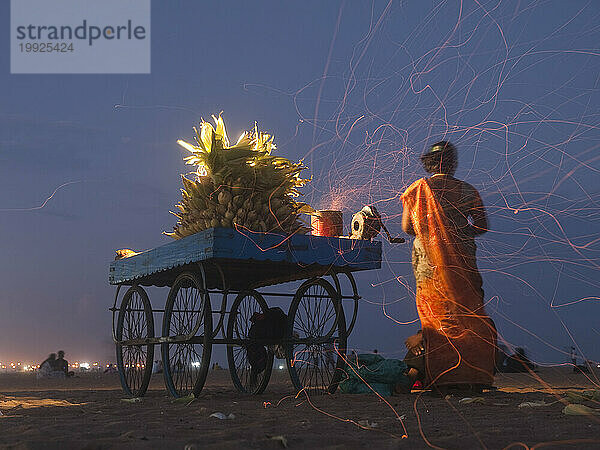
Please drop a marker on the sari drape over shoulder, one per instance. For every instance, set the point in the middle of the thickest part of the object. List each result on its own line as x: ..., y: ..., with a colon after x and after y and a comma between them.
x: 460, y: 339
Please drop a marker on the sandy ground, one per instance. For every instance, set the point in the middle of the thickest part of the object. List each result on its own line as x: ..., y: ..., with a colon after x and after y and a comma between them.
x: 88, y: 412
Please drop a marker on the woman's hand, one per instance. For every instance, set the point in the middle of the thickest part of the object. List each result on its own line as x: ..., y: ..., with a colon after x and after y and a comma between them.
x: 415, y: 344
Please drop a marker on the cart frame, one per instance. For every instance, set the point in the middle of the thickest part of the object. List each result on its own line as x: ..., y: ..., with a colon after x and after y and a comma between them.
x: 316, y: 333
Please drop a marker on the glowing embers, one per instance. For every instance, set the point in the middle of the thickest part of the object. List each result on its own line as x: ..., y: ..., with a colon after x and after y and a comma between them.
x: 327, y: 223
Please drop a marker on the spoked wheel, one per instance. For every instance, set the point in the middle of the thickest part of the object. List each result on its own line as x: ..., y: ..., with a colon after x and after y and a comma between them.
x: 135, y: 323
x: 245, y: 379
x: 355, y: 297
x: 188, y: 321
x: 317, y: 334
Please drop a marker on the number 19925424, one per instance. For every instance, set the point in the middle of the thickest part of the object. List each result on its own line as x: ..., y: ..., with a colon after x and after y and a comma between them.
x: 45, y: 47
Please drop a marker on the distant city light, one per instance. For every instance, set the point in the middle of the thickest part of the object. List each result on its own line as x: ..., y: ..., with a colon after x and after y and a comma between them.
x: 20, y: 366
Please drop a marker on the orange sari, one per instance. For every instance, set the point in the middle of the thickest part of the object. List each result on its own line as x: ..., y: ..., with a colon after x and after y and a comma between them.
x: 460, y: 338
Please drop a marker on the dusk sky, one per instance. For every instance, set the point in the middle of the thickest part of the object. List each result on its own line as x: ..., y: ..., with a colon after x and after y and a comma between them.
x: 356, y: 88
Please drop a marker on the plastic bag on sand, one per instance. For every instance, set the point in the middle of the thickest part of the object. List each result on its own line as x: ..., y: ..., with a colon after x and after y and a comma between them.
x: 575, y: 409
x: 221, y: 416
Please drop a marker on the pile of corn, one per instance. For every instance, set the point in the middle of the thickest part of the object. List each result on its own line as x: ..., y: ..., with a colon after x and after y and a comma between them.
x: 242, y: 185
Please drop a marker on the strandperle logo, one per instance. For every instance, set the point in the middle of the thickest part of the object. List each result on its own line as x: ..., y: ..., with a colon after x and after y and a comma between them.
x: 80, y: 36
x: 85, y: 32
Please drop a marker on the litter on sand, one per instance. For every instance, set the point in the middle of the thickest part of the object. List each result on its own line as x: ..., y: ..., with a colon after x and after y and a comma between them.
x: 575, y: 409
x: 132, y: 435
x: 187, y: 400
x: 582, y: 396
x: 221, y: 416
x: 575, y: 396
x: 469, y: 400
x: 281, y: 439
x: 592, y: 394
x: 132, y: 400
x: 534, y: 404
x: 367, y: 424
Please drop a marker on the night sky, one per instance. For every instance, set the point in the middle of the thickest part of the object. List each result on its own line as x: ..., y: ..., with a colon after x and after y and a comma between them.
x: 357, y: 89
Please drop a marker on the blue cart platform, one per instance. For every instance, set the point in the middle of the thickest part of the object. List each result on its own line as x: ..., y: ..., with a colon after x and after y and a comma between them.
x: 249, y: 260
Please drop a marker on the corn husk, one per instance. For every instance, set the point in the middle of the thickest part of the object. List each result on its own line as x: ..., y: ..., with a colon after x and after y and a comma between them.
x: 241, y: 185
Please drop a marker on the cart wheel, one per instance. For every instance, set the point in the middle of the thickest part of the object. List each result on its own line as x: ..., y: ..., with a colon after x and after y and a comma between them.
x: 355, y: 297
x: 238, y: 327
x: 187, y: 312
x: 317, y: 330
x: 135, y: 321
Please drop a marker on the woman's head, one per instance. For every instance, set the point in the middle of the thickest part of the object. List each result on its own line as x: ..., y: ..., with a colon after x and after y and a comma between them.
x: 441, y: 158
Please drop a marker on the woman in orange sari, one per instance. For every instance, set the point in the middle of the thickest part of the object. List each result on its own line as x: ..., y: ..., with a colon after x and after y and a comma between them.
x: 445, y: 214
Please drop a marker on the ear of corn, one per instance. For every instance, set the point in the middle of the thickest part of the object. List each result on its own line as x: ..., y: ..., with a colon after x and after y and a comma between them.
x: 241, y: 185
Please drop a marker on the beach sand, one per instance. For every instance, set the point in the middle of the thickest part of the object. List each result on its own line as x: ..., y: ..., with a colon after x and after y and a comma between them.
x: 88, y: 412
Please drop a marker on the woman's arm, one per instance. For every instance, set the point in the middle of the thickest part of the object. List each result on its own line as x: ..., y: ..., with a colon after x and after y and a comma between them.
x: 406, y: 222
x: 478, y: 214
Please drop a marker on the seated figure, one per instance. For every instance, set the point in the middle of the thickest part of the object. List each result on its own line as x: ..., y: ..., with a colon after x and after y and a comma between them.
x: 48, y: 368
x: 62, y: 365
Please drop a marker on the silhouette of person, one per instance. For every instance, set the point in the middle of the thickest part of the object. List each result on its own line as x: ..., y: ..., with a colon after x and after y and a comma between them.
x: 49, y: 364
x: 62, y: 365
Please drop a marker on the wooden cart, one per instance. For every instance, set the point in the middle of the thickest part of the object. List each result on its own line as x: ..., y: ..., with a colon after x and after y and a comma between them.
x: 203, y: 272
